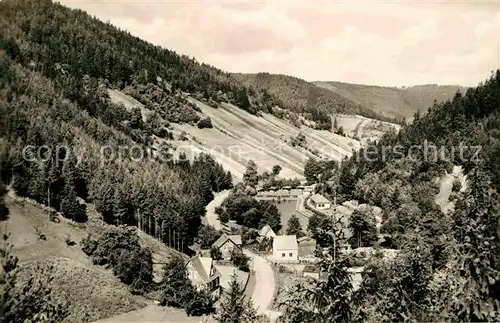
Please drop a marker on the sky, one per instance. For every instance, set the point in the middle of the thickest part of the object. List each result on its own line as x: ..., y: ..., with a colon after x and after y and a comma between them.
x: 388, y: 43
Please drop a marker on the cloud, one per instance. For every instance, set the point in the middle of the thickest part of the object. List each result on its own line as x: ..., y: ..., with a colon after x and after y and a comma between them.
x: 385, y: 43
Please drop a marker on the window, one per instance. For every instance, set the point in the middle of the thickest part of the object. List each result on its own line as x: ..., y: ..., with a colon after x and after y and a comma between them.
x: 290, y: 254
x: 283, y: 255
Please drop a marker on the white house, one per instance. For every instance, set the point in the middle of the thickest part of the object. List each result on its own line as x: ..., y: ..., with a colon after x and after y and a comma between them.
x: 226, y: 244
x: 320, y: 202
x: 203, y: 274
x: 285, y: 249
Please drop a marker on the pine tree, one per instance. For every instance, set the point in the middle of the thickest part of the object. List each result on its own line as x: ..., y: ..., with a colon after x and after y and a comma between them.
x: 175, y: 286
x: 328, y: 299
x: 234, y: 307
x: 71, y: 207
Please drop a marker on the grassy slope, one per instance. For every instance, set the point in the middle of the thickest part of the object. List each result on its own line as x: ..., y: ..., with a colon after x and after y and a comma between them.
x: 390, y: 101
x: 91, y: 291
x: 238, y: 136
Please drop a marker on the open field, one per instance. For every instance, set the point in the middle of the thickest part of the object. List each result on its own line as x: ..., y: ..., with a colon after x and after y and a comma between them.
x: 238, y: 136
x: 91, y: 292
x: 287, y: 209
x: 363, y: 128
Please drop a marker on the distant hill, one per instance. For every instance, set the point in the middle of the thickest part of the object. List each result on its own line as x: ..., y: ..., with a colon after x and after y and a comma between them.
x: 391, y: 101
x: 301, y: 96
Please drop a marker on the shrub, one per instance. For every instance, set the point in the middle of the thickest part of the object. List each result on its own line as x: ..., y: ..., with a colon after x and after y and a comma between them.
x: 239, y: 260
x: 205, y: 123
x: 215, y: 253
x: 199, y: 303
x: 457, y: 186
x: 119, y: 248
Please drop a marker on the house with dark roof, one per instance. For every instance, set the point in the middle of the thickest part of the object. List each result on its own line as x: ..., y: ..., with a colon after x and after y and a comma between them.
x: 204, y: 275
x: 226, y: 244
x: 320, y: 202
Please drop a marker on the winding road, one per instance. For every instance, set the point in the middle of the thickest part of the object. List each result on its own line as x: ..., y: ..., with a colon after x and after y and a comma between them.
x: 265, y: 286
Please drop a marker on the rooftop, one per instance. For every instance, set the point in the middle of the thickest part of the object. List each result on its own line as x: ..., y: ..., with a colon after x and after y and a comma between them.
x: 265, y: 230
x: 203, y: 266
x: 236, y: 239
x: 285, y: 243
x: 318, y: 198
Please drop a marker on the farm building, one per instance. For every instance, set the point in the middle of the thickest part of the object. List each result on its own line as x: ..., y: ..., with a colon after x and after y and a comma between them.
x: 320, y: 202
x: 307, y: 246
x: 204, y: 275
x: 285, y: 249
x: 226, y: 244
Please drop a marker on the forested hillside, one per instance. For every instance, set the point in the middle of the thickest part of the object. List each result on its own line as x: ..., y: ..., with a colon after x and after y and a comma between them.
x: 393, y: 101
x: 448, y: 268
x: 55, y: 66
x: 304, y: 97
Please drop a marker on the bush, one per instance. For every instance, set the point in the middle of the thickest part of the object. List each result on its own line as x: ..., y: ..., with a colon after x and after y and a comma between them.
x: 69, y: 241
x: 215, y: 253
x: 239, y: 260
x: 457, y: 186
x: 199, y: 303
x: 119, y: 248
x: 205, y: 123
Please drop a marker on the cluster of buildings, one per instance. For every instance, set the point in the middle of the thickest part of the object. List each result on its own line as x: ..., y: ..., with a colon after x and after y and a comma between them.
x: 201, y: 268
x: 285, y: 192
x: 286, y: 249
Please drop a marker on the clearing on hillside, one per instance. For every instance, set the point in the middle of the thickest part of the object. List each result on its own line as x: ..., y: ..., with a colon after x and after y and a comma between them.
x: 91, y: 292
x: 238, y: 136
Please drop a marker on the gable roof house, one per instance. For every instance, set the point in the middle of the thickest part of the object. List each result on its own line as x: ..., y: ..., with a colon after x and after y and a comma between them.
x: 226, y: 244
x: 285, y: 249
x: 204, y: 275
x: 265, y: 232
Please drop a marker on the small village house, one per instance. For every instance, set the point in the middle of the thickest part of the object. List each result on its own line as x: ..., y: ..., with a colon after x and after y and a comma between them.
x: 285, y: 249
x: 320, y: 202
x: 265, y: 232
x: 307, y: 246
x: 204, y: 275
x: 226, y: 244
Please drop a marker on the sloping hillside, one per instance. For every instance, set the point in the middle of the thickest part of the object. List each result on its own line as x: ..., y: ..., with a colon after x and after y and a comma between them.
x: 391, y: 101
x: 302, y: 96
x: 238, y: 136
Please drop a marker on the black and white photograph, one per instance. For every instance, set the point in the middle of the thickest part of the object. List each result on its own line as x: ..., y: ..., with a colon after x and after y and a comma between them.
x: 249, y: 161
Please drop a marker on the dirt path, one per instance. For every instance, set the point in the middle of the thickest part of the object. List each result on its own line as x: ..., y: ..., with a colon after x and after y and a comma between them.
x: 263, y: 293
x: 211, y: 218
